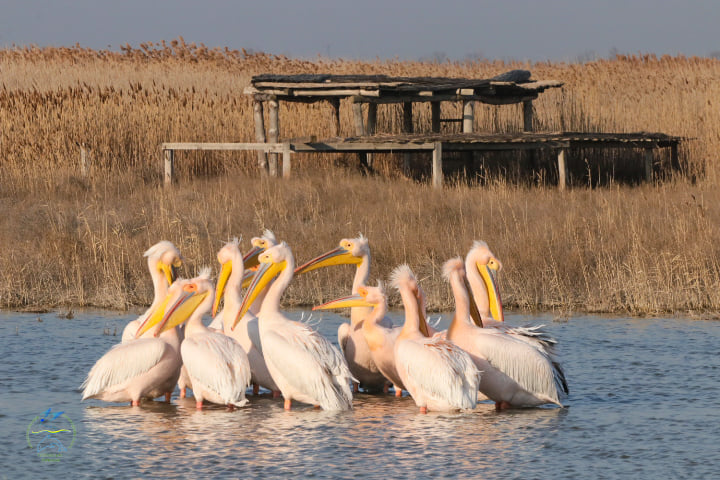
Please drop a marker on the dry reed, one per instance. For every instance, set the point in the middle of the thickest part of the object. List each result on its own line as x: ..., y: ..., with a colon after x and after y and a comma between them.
x: 75, y: 240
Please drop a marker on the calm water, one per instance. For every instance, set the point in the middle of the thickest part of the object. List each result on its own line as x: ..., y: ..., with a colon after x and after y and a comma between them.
x: 644, y: 403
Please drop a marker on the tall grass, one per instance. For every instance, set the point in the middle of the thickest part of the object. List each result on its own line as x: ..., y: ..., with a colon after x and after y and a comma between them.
x: 75, y: 240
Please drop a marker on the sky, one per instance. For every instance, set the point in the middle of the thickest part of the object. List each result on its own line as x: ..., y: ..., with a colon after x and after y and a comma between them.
x: 534, y: 30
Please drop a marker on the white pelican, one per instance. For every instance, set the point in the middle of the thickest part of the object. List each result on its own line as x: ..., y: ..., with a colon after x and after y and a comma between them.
x: 304, y: 365
x: 515, y: 373
x: 380, y: 339
x: 217, y: 365
x: 143, y: 368
x: 481, y: 268
x: 246, y: 333
x: 351, y: 339
x: 250, y: 265
x: 438, y: 374
x: 163, y: 259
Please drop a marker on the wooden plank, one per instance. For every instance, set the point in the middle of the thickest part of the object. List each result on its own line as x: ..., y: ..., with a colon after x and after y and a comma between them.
x: 336, y: 93
x: 265, y: 147
x: 527, y: 116
x: 437, y: 173
x: 169, y: 156
x: 329, y: 146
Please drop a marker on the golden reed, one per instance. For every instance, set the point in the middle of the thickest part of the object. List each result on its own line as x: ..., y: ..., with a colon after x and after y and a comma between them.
x: 77, y: 240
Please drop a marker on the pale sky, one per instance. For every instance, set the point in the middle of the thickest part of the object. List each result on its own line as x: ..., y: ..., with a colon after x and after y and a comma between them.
x: 557, y: 30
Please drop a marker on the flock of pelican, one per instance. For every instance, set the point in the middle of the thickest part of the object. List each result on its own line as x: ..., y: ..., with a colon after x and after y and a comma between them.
x: 252, y: 342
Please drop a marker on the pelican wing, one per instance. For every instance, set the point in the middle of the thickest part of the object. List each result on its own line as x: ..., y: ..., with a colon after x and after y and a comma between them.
x: 310, y: 364
x: 441, y: 369
x: 219, y: 363
x: 534, y: 369
x: 121, y: 363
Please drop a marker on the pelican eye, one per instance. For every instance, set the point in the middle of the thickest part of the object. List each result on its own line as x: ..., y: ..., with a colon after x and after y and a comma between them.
x: 190, y: 288
x: 363, y: 291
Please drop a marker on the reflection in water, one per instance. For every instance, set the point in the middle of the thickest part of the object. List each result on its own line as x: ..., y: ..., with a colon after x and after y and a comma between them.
x: 626, y: 411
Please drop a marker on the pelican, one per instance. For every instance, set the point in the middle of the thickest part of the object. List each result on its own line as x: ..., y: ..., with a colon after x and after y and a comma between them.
x: 250, y: 264
x: 217, y: 365
x: 247, y: 333
x: 481, y: 268
x: 304, y: 365
x: 380, y: 339
x: 146, y: 367
x: 351, y: 339
x: 515, y: 373
x: 437, y: 373
x: 163, y: 259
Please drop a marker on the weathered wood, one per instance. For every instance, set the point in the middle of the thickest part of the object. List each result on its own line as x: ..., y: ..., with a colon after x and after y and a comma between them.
x: 169, y: 156
x: 648, y: 165
x: 286, y: 162
x: 370, y: 128
x: 562, y: 169
x: 336, y: 93
x: 258, y: 116
x: 674, y: 160
x: 528, y: 116
x: 335, y: 102
x: 358, y: 119
x: 437, y: 173
x: 468, y: 116
x: 435, y: 117
x: 273, y: 135
x: 264, y: 147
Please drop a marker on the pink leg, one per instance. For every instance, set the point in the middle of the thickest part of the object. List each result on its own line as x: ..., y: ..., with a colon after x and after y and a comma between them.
x: 276, y: 393
x: 135, y: 403
x: 423, y: 409
x: 199, y: 404
x: 288, y: 404
x: 356, y: 387
x: 231, y: 407
x: 168, y: 395
x: 183, y: 392
x: 398, y: 391
x: 501, y: 405
x: 316, y: 407
x: 256, y: 389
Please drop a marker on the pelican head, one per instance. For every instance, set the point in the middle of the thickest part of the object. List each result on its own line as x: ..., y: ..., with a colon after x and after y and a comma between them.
x: 183, y: 298
x: 487, y: 265
x: 272, y: 263
x: 351, y: 251
x: 227, y: 254
x: 166, y: 258
x: 457, y: 266
x: 259, y: 245
x: 366, y: 297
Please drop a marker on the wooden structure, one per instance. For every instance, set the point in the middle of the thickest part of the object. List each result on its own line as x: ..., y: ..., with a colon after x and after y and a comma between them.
x: 371, y: 90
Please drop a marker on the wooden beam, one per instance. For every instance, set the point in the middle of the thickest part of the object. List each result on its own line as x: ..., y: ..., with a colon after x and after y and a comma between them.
x: 258, y: 114
x: 562, y: 169
x: 437, y: 173
x: 169, y: 157
x: 435, y: 117
x: 273, y: 135
x: 263, y: 147
x: 528, y: 116
x: 468, y: 116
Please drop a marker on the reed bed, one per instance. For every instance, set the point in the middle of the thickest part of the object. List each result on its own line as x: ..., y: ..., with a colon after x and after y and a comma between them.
x: 77, y: 240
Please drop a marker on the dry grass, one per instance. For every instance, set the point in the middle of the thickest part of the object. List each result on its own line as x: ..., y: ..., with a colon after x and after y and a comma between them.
x: 72, y: 240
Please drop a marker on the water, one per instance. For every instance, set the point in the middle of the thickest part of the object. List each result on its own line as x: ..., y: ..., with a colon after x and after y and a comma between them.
x: 643, y: 403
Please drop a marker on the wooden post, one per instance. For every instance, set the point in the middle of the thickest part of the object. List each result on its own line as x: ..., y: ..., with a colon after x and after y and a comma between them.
x: 286, y: 161
x: 335, y: 102
x: 273, y: 135
x: 370, y: 127
x: 407, y: 128
x: 528, y: 116
x: 169, y: 156
x: 260, y: 134
x: 84, y: 167
x: 468, y: 116
x: 437, y: 173
x: 674, y: 159
x: 435, y: 117
x: 649, y: 165
x: 358, y: 119
x: 562, y: 169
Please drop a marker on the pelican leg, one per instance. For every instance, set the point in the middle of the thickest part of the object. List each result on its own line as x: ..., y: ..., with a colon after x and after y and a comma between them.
x: 398, y: 391
x: 199, y: 404
x: 276, y: 393
x: 183, y: 392
x: 135, y: 403
x: 423, y: 410
x: 356, y: 387
x: 501, y: 405
x: 256, y: 389
x: 288, y: 404
x: 168, y: 395
x: 231, y: 407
